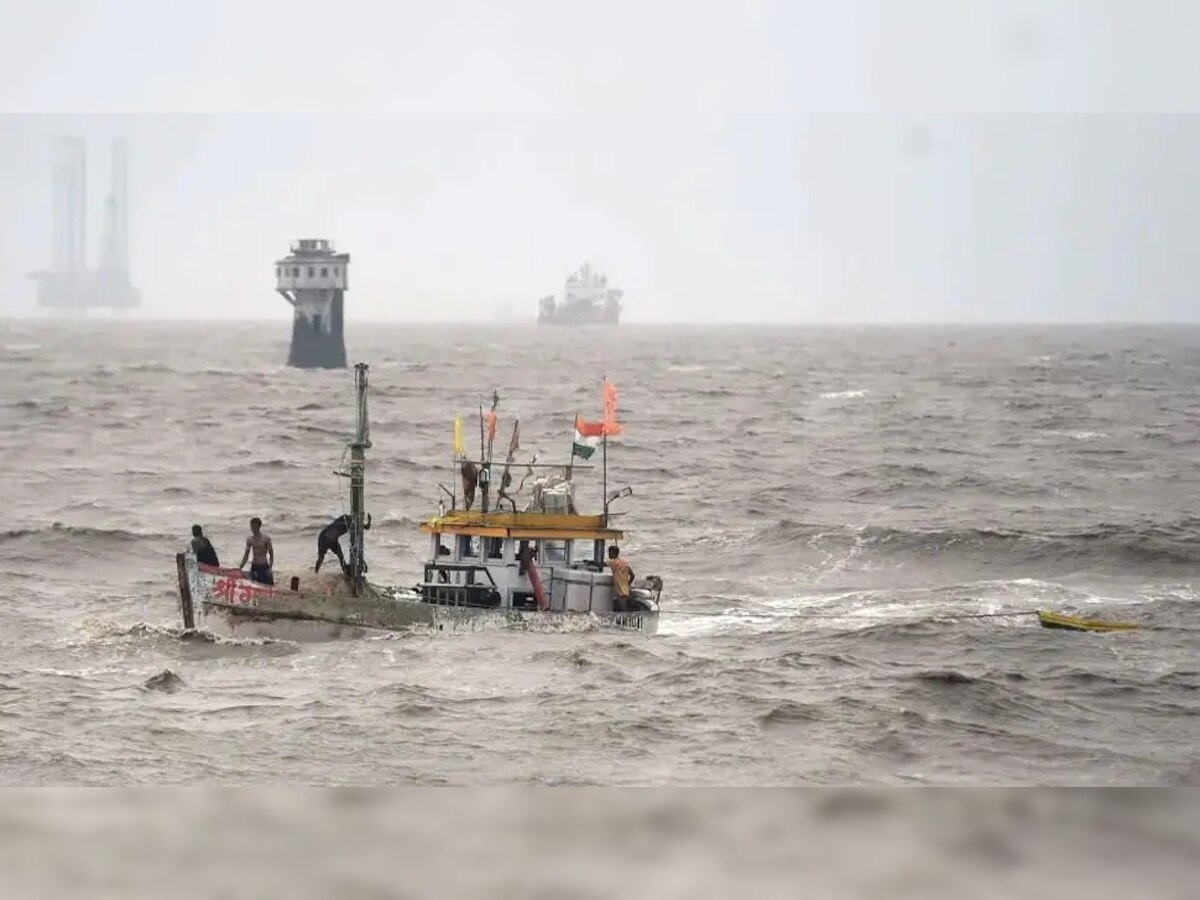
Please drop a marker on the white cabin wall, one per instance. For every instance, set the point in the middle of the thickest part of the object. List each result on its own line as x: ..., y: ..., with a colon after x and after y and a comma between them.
x: 578, y: 589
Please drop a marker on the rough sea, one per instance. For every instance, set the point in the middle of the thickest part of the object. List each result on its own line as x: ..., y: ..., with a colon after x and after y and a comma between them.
x: 853, y: 524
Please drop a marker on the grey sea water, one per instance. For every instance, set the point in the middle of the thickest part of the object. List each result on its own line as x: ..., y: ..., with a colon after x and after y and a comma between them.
x: 835, y: 512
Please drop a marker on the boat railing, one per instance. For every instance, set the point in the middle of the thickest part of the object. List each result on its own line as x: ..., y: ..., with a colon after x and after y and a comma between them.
x: 445, y: 592
x: 431, y: 568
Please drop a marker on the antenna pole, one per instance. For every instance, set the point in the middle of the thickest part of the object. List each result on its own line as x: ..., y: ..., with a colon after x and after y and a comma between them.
x: 604, y: 419
x: 485, y: 473
x: 571, y: 455
x: 605, y: 488
x: 358, y: 464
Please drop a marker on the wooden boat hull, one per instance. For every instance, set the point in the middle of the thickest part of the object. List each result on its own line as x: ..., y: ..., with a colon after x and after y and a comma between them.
x: 1049, y: 619
x: 228, y: 603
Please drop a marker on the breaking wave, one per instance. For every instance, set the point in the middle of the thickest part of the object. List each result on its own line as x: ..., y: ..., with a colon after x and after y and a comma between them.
x: 58, y: 534
x: 268, y: 465
x: 843, y: 395
x: 1103, y: 545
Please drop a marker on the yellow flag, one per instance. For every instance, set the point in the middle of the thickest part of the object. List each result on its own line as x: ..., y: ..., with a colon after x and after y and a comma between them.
x: 459, y: 449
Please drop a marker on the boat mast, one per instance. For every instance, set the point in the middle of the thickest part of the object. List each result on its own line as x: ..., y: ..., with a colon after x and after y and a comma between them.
x: 604, y: 487
x: 358, y: 464
x: 485, y: 469
x: 604, y: 481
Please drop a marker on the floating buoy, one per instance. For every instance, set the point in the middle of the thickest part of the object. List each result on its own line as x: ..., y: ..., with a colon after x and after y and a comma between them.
x: 1074, y: 623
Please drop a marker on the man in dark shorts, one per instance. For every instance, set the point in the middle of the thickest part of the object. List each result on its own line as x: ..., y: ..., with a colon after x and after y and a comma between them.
x: 328, y: 540
x: 260, y: 545
x: 203, y: 548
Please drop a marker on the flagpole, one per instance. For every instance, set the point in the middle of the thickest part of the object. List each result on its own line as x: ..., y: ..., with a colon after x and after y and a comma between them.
x: 481, y: 475
x: 481, y: 451
x: 485, y: 479
x: 491, y: 428
x: 460, y: 453
x: 605, y: 477
x: 604, y: 429
x: 571, y: 455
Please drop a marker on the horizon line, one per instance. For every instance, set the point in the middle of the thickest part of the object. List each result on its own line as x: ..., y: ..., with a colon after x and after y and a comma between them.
x: 653, y: 323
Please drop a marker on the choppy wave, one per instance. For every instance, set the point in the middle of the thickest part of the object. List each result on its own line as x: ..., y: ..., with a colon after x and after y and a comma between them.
x: 393, y: 520
x: 855, y: 528
x: 165, y: 681
x: 266, y: 465
x: 1105, y: 545
x: 844, y: 395
x: 789, y: 712
x: 60, y: 535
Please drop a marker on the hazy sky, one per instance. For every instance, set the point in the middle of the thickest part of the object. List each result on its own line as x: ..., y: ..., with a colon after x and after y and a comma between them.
x: 751, y: 161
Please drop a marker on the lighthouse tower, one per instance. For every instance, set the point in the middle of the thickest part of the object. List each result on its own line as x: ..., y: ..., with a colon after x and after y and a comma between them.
x: 314, y: 279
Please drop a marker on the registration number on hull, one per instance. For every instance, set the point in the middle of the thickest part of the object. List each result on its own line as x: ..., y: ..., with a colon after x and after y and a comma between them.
x: 627, y: 620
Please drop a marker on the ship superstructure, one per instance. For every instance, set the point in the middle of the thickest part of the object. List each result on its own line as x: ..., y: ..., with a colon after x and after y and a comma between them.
x: 587, y: 300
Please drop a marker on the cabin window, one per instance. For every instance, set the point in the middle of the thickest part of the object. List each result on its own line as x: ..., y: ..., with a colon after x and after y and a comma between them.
x: 295, y: 271
x: 468, y: 546
x: 585, y: 551
x: 324, y: 271
x: 278, y: 271
x: 494, y: 547
x: 554, y: 552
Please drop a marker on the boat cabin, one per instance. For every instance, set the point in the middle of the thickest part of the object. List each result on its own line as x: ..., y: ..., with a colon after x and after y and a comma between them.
x: 519, y: 560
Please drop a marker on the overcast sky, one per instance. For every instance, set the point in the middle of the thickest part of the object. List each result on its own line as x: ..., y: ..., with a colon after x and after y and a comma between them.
x: 749, y: 161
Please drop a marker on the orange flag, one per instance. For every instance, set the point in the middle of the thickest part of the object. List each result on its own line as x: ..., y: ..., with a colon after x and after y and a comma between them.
x: 611, y: 426
x: 491, y: 424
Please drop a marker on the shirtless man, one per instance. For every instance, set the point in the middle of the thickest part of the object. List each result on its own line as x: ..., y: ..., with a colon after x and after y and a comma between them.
x: 264, y: 554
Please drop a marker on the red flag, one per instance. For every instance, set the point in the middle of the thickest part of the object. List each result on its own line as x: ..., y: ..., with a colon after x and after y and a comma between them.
x: 611, y: 426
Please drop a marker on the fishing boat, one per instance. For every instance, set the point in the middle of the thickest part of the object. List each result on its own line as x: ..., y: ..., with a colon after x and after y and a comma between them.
x: 541, y: 566
x: 1048, y: 619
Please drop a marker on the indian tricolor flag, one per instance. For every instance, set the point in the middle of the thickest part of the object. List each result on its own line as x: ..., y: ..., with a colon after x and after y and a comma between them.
x: 587, y: 437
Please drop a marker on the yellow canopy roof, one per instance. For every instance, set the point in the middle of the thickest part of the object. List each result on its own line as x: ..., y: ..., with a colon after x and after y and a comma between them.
x: 522, y: 526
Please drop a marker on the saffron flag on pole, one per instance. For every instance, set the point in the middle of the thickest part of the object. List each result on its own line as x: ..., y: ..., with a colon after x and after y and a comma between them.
x: 459, y: 448
x: 491, y: 424
x: 587, y: 437
x: 610, y: 425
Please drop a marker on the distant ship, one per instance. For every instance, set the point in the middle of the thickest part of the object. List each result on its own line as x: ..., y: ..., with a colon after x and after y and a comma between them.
x: 587, y: 300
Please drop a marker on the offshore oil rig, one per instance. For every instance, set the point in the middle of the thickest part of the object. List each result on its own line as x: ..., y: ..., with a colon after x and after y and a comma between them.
x: 69, y: 285
x: 314, y: 278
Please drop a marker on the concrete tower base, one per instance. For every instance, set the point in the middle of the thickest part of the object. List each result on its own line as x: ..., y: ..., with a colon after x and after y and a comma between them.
x: 317, y: 344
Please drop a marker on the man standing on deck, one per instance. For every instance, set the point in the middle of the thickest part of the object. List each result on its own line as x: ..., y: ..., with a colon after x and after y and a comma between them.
x: 622, y: 576
x: 264, y: 554
x: 203, y: 548
x: 328, y: 540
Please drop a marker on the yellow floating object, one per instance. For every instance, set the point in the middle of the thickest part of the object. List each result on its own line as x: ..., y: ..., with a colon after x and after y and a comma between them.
x: 1074, y: 623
